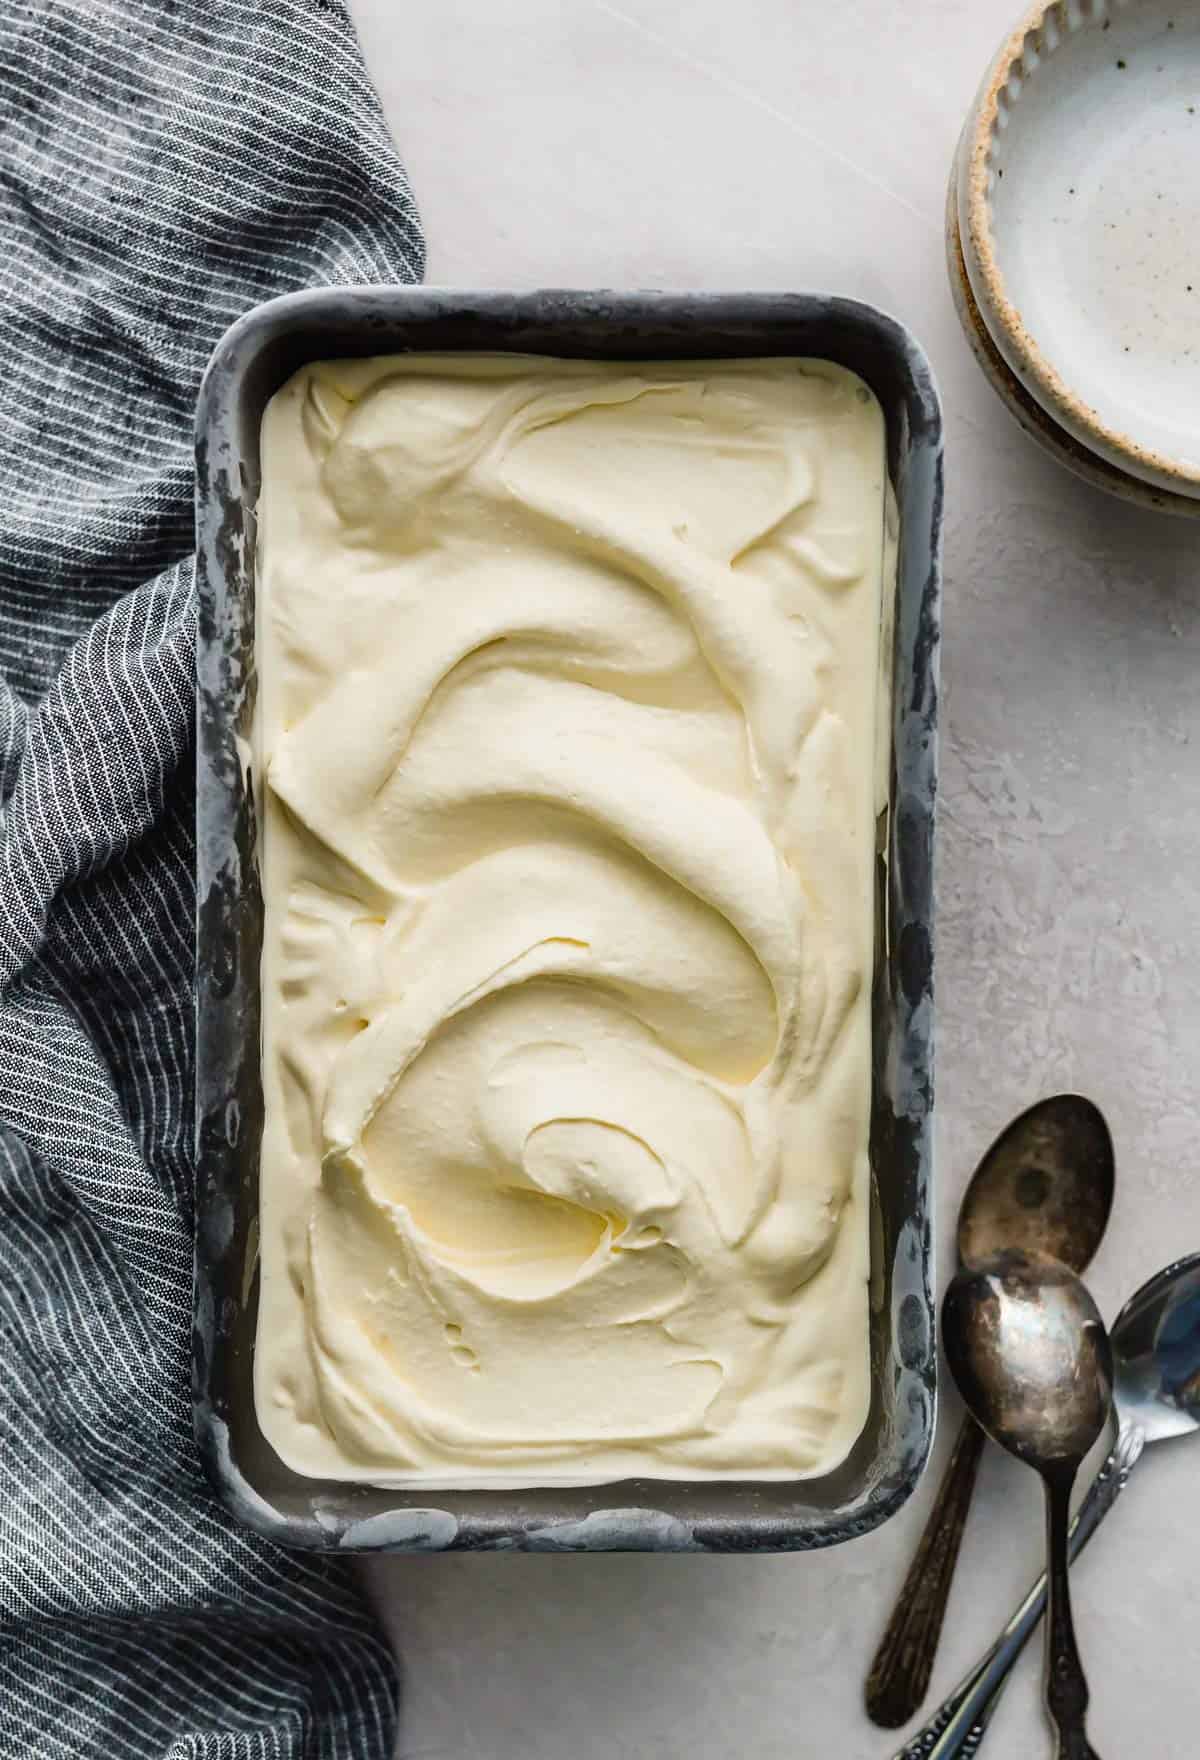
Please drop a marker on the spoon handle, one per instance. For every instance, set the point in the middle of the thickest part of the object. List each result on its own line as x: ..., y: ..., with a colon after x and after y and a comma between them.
x: 957, y: 1728
x: 899, y: 1676
x: 1066, y: 1685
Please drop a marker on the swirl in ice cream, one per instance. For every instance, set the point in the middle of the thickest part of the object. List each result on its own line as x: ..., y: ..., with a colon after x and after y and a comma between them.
x: 568, y: 721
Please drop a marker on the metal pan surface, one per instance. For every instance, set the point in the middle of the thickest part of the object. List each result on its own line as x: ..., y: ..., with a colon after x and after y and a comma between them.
x: 254, y: 359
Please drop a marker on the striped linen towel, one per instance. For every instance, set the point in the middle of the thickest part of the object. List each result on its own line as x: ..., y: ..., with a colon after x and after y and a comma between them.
x: 164, y: 164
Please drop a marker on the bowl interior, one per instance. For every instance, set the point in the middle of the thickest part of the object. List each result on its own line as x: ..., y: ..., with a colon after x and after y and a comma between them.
x: 1095, y: 214
x: 1057, y: 441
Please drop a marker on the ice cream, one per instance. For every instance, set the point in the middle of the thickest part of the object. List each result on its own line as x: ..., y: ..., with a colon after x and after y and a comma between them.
x: 566, y: 752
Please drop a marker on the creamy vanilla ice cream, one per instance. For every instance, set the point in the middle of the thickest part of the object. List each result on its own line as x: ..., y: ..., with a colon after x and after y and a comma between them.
x: 566, y: 749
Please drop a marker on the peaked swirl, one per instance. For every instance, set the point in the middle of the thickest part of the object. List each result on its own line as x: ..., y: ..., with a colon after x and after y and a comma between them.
x: 568, y: 722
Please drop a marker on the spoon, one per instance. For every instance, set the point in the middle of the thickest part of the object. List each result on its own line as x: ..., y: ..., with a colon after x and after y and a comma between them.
x: 1027, y: 1346
x: 1045, y: 1185
x: 1156, y: 1350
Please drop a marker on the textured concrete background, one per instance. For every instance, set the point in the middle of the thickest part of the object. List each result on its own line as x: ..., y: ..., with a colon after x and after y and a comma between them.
x: 797, y: 144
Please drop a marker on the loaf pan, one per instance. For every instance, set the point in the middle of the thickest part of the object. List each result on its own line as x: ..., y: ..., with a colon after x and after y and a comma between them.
x: 256, y: 356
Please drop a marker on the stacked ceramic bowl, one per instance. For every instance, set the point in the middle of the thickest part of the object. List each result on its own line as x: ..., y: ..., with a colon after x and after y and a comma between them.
x: 1073, y: 234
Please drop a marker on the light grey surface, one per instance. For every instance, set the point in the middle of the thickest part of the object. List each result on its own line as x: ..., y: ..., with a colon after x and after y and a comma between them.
x: 783, y: 143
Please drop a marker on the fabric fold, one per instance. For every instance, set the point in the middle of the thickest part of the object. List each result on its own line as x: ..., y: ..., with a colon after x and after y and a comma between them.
x: 163, y: 167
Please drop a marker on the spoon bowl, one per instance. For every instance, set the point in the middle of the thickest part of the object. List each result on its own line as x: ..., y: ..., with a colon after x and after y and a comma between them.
x: 1045, y: 1186
x: 1156, y: 1344
x: 1028, y: 1349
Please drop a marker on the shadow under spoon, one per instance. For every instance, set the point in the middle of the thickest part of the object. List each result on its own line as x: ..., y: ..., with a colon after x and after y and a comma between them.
x: 1044, y: 1186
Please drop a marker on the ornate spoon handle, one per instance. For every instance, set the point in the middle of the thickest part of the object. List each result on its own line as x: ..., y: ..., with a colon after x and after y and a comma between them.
x: 899, y: 1677
x: 1066, y: 1688
x: 957, y: 1728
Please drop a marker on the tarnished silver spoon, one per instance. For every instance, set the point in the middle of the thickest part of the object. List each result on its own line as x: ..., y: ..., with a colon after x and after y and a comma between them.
x: 1156, y: 1353
x: 1045, y: 1185
x: 1028, y: 1349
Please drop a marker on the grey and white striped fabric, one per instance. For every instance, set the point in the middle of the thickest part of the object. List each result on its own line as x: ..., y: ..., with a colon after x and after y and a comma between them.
x: 164, y: 164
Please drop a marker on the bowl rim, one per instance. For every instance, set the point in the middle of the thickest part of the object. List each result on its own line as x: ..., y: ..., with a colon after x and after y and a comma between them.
x: 1059, y: 443
x: 1001, y: 314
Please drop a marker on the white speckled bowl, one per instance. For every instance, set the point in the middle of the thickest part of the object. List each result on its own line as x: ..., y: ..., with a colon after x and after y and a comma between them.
x: 1078, y: 210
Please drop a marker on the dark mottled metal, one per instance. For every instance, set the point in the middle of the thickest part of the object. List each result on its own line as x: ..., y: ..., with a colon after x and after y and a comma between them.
x: 256, y: 356
x: 1028, y: 1349
x: 899, y: 1676
x: 1156, y: 1348
x: 1046, y: 1184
